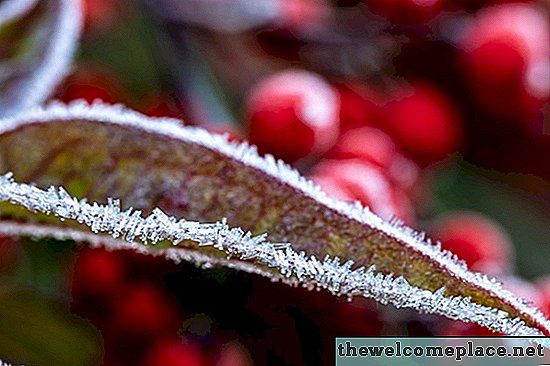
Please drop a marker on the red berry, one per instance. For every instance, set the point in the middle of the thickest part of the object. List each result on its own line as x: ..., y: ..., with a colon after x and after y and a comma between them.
x: 478, y: 240
x: 543, y: 285
x: 300, y: 15
x: 293, y: 114
x: 99, y: 14
x: 90, y: 83
x: 404, y: 174
x: 97, y: 273
x: 366, y: 183
x: 357, y: 319
x: 332, y: 187
x: 163, y: 106
x: 405, y: 11
x: 143, y: 310
x: 366, y: 143
x: 171, y: 352
x: 233, y: 354
x: 424, y: 123
x: 401, y: 206
x: 507, y: 57
x: 376, y: 147
x: 359, y: 105
x: 496, y: 72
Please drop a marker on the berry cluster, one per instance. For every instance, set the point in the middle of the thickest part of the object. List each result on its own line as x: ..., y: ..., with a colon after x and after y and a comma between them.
x: 359, y: 145
x: 124, y: 295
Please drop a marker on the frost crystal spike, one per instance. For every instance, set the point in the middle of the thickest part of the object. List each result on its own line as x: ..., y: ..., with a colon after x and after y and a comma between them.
x: 339, y: 279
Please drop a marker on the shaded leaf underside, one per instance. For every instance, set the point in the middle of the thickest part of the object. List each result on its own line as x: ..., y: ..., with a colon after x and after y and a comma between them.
x: 104, y: 151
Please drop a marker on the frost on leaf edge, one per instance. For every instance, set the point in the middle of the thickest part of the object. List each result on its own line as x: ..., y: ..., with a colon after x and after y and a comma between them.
x: 248, y: 155
x: 339, y: 279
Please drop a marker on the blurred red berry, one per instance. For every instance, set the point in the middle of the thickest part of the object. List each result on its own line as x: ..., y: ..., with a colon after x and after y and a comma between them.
x: 233, y: 354
x: 543, y: 285
x: 99, y: 14
x: 496, y: 72
x: 404, y: 174
x: 97, y: 273
x: 91, y: 82
x: 300, y: 15
x: 366, y: 183
x: 480, y: 241
x: 401, y: 206
x: 143, y: 310
x: 171, y: 352
x: 424, y: 123
x: 366, y: 143
x: 405, y: 11
x: 292, y: 114
x: 332, y: 186
x: 376, y: 147
x: 354, y: 319
x: 507, y: 58
x: 359, y: 105
x: 163, y: 106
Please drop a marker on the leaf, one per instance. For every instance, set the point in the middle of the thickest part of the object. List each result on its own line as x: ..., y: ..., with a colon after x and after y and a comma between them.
x: 37, y: 42
x: 41, y: 332
x: 105, y: 151
x: 329, y: 273
x: 13, y: 9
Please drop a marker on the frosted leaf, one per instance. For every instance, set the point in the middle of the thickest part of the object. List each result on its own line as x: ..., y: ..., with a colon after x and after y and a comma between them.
x: 330, y: 274
x: 50, y: 29
x: 13, y: 9
x: 109, y: 151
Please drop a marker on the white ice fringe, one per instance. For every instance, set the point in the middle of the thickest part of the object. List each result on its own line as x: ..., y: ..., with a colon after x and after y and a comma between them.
x: 2, y: 363
x: 329, y: 273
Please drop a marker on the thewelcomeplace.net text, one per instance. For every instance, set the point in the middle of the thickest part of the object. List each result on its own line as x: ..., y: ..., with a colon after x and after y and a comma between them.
x: 346, y: 349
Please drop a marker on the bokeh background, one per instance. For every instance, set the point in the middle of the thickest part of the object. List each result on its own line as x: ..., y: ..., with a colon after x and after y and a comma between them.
x: 434, y: 111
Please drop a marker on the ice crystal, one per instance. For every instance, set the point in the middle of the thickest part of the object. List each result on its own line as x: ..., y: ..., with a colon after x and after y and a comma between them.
x: 2, y: 363
x: 328, y: 273
x: 56, y: 58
